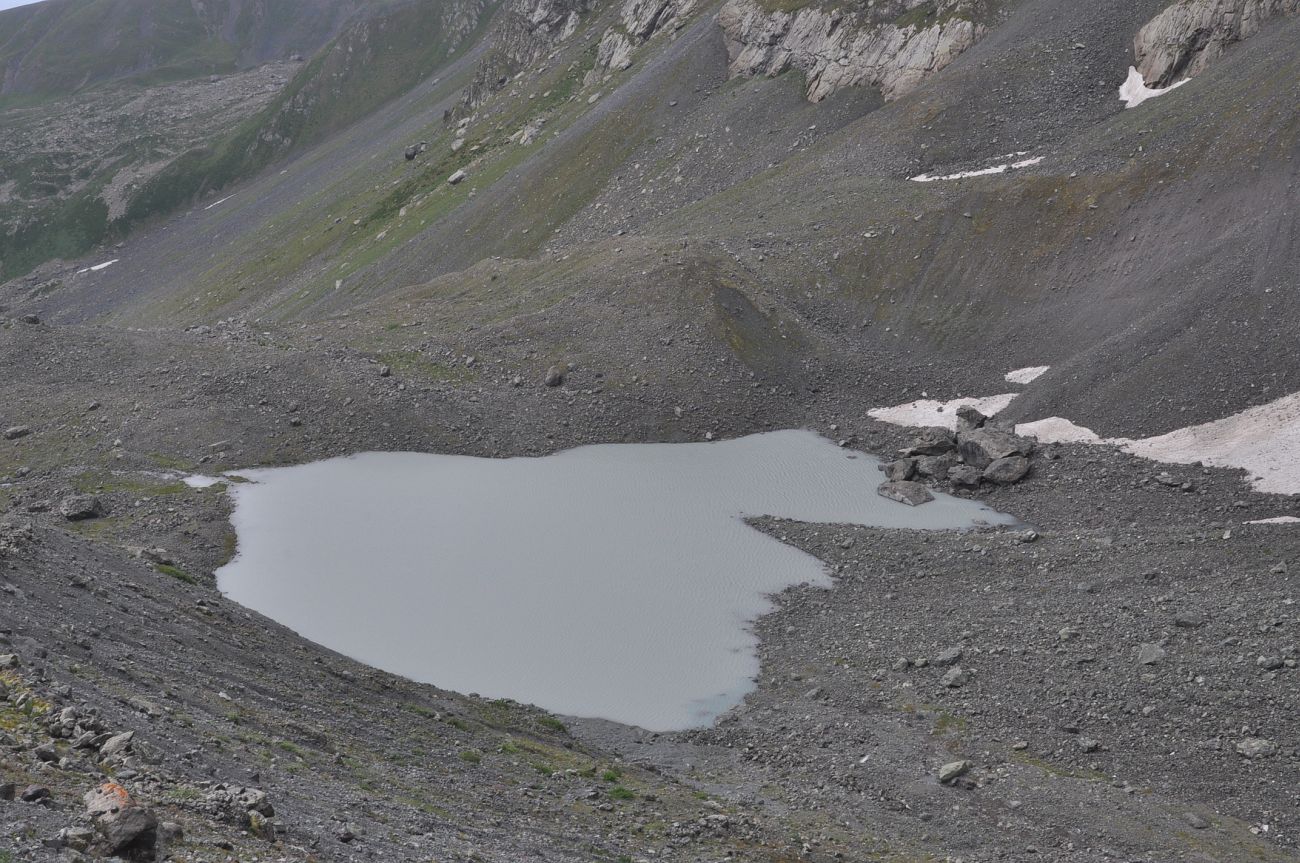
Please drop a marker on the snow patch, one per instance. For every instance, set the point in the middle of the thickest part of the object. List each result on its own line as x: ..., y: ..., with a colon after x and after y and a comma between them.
x: 218, y: 203
x: 1280, y: 519
x: 1264, y: 440
x: 982, y: 172
x: 1027, y: 375
x: 1134, y: 91
x: 199, y: 481
x: 929, y: 412
x: 1058, y: 430
x: 98, y: 267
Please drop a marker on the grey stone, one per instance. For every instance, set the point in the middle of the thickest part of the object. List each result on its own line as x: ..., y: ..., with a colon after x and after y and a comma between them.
x: 1256, y: 747
x: 16, y: 432
x: 1195, y: 820
x: 954, y: 770
x: 131, y: 832
x: 34, y: 794
x: 954, y: 677
x: 951, y: 656
x: 932, y: 441
x: 81, y: 507
x: 910, y: 493
x: 969, y: 419
x: 554, y: 376
x: 116, y: 744
x: 965, y: 476
x: 1007, y: 470
x: 981, y: 447
x: 936, y: 466
x: 1150, y: 654
x: 901, y: 470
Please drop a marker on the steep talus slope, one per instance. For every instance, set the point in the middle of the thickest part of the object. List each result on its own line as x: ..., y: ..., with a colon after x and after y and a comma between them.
x: 1189, y: 35
x: 1085, y: 257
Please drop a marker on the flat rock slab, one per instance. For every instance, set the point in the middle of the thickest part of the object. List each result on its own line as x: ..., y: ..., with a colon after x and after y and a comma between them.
x: 905, y: 491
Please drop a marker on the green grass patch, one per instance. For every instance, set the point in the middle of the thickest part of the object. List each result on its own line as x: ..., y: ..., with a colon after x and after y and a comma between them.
x: 176, y: 572
x: 552, y: 724
x: 469, y: 756
x: 618, y: 792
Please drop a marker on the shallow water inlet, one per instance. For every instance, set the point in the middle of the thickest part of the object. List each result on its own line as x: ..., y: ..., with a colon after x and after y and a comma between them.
x: 615, y: 581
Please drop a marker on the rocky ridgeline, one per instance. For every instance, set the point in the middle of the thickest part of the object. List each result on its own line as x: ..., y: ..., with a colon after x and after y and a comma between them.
x: 1188, y: 35
x: 977, y: 453
x: 893, y: 46
x: 55, y: 747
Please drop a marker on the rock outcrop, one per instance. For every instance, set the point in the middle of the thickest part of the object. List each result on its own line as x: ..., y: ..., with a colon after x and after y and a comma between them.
x: 892, y: 46
x: 1190, y: 34
x: 639, y: 20
x: 528, y: 30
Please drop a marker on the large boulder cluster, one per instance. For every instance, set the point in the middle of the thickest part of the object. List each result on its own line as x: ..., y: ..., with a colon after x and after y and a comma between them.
x: 977, y: 453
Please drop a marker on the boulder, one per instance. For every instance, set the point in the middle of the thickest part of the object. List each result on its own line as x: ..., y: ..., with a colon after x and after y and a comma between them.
x: 954, y: 678
x: 130, y: 833
x: 932, y: 441
x: 116, y: 745
x: 34, y: 794
x: 936, y: 466
x: 1007, y: 470
x: 81, y: 507
x: 910, y: 493
x: 16, y: 432
x: 954, y: 770
x: 969, y: 419
x: 981, y: 447
x: 554, y: 376
x: 903, y: 469
x: 965, y: 476
x: 109, y: 797
x: 1150, y: 654
x: 1256, y: 747
x: 457, y: 177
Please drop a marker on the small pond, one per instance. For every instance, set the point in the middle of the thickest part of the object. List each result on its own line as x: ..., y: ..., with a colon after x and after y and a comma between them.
x: 615, y: 581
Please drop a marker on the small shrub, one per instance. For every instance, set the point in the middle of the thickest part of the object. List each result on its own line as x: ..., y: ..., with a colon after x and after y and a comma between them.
x: 618, y: 792
x: 553, y: 724
x: 469, y: 756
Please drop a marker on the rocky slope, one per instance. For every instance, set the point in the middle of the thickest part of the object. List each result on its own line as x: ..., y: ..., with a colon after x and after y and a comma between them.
x: 87, y: 168
x: 1190, y: 34
x: 657, y: 249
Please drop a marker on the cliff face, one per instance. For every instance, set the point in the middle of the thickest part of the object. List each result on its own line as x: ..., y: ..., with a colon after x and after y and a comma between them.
x: 526, y: 31
x: 1188, y: 35
x: 892, y: 46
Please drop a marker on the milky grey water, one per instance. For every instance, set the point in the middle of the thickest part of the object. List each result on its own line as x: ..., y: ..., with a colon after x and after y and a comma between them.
x: 614, y: 581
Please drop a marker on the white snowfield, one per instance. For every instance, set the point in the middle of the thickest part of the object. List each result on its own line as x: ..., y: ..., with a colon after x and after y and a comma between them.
x: 928, y: 412
x: 1134, y: 91
x: 1264, y: 440
x: 982, y: 172
x: 1281, y: 519
x: 98, y: 267
x: 1028, y: 375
